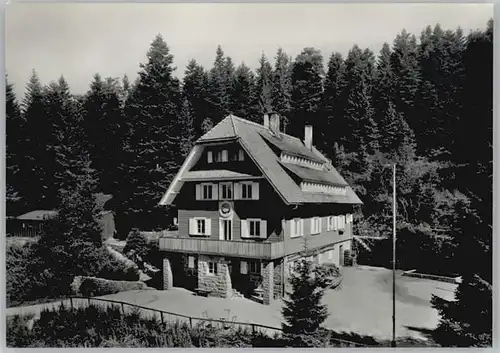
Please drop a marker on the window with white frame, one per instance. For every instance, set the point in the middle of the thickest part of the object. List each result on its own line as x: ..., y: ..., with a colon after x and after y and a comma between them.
x: 212, y: 267
x: 238, y: 155
x: 254, y: 267
x: 246, y: 190
x: 254, y: 228
x: 210, y: 157
x: 331, y: 223
x: 225, y: 191
x: 206, y: 191
x: 199, y: 226
x: 341, y: 222
x: 221, y: 156
x: 315, y: 225
x: 296, y: 227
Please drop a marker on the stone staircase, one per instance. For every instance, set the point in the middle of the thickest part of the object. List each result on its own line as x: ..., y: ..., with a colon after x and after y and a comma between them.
x: 237, y: 294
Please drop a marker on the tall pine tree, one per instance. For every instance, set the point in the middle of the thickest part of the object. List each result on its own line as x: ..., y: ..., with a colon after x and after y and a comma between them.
x: 104, y: 128
x: 282, y: 86
x: 152, y: 146
x: 15, y: 135
x: 263, y: 87
x: 307, y: 82
x: 195, y: 93
x: 243, y: 94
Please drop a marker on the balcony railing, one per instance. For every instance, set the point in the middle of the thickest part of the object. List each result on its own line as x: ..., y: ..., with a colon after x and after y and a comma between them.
x: 246, y: 249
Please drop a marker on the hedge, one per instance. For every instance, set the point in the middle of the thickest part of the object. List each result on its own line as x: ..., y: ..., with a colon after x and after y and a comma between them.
x: 94, y: 286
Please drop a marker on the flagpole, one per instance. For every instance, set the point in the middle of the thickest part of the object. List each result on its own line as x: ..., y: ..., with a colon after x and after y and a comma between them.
x: 393, y: 343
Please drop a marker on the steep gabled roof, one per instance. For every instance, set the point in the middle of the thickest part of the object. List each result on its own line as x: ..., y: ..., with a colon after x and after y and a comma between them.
x: 253, y: 137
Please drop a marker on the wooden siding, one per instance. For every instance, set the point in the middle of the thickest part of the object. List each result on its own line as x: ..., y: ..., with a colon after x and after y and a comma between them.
x: 269, y: 208
x: 246, y: 249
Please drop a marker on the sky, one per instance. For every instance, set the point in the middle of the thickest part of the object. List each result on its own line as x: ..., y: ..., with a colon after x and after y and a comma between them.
x: 79, y: 40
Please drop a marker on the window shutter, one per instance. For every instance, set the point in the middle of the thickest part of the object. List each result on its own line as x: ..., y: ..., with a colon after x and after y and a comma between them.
x: 220, y: 191
x: 224, y: 155
x: 208, y: 226
x: 312, y: 225
x: 320, y: 225
x: 192, y: 226
x: 263, y: 229
x: 335, y: 223
x: 241, y: 155
x: 255, y: 191
x: 190, y: 261
x: 237, y: 191
x: 198, y: 192
x: 215, y: 194
x: 291, y: 226
x: 243, y: 268
x: 209, y: 157
x: 301, y: 227
x: 244, y: 228
x: 221, y: 229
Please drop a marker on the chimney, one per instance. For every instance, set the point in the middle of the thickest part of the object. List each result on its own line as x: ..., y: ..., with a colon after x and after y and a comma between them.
x: 308, y: 136
x: 274, y: 124
x: 266, y: 120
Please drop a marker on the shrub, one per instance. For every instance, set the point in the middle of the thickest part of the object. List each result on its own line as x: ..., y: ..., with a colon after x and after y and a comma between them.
x: 327, y: 276
x: 93, y: 286
x: 112, y: 268
x: 137, y: 246
x: 18, y: 281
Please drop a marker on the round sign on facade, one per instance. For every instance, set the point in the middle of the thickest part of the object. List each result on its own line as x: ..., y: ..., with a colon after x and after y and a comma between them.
x: 225, y: 209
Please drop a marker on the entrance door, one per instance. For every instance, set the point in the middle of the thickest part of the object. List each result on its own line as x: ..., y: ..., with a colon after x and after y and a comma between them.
x: 226, y: 229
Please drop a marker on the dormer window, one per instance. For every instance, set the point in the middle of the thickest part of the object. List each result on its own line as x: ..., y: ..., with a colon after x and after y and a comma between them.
x: 221, y: 156
x: 238, y: 155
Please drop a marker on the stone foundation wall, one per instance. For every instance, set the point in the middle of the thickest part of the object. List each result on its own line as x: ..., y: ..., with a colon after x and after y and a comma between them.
x: 277, y: 274
x: 268, y: 281
x: 218, y: 284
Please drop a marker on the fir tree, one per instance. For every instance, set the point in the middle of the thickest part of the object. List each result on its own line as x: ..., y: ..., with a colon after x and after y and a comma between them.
x: 282, y: 86
x: 152, y: 146
x: 37, y: 174
x: 332, y: 107
x: 242, y: 93
x: 195, y: 92
x: 303, y: 312
x: 263, y: 86
x: 404, y: 63
x: 219, y: 81
x: 467, y: 320
x: 358, y: 130
x: 104, y: 128
x: 15, y: 135
x: 187, y: 137
x: 307, y: 91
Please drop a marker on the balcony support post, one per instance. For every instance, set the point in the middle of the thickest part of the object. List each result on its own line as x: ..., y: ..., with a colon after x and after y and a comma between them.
x: 267, y: 281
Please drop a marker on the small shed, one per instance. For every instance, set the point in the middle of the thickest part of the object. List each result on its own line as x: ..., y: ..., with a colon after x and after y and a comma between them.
x: 30, y: 224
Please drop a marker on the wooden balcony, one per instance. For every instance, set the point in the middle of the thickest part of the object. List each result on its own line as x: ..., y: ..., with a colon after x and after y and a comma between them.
x: 247, y: 249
